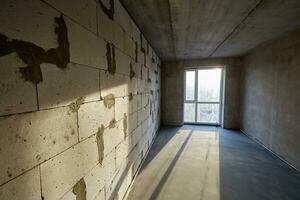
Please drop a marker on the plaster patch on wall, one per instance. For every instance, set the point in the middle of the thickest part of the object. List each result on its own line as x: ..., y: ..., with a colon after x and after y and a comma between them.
x: 100, y: 143
x: 108, y: 11
x: 74, y: 107
x: 111, y: 58
x: 125, y: 125
x: 109, y: 101
x: 112, y: 123
x: 79, y: 190
x: 34, y: 56
x: 130, y: 96
x: 132, y: 73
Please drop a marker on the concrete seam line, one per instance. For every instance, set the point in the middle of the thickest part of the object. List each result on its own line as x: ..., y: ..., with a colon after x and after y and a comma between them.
x: 237, y: 26
x: 269, y: 150
x: 139, y: 168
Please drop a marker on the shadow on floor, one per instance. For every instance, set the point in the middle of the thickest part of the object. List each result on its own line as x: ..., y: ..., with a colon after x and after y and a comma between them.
x: 198, y: 162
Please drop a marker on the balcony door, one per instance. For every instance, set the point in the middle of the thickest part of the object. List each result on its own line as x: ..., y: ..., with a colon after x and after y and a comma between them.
x: 203, y: 96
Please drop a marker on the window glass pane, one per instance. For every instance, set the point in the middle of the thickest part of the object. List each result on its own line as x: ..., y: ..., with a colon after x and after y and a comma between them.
x: 189, y: 112
x: 190, y: 85
x: 209, y: 85
x: 208, y: 113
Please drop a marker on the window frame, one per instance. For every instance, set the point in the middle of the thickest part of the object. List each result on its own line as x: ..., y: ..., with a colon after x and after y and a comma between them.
x: 196, y: 102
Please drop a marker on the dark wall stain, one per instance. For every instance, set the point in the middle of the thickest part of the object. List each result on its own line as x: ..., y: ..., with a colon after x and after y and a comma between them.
x: 111, y: 58
x: 125, y: 125
x: 148, y: 49
x: 132, y: 73
x: 34, y: 56
x: 112, y: 123
x: 100, y: 143
x: 141, y: 40
x: 136, y: 52
x: 108, y: 11
x: 109, y: 101
x: 130, y: 96
x: 79, y: 190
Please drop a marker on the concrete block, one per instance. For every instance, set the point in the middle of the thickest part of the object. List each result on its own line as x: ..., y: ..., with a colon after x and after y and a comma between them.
x: 25, y: 187
x: 109, y: 30
x: 126, y: 106
x: 145, y: 73
x: 83, y: 12
x: 141, y: 57
x: 140, y: 116
x: 123, y: 18
x: 100, y: 195
x: 62, y: 172
x: 132, y: 122
x: 85, y: 47
x: 145, y: 100
x: 16, y: 95
x: 126, y: 183
x: 145, y: 126
x: 112, y: 137
x: 38, y: 28
x: 137, y: 134
x: 134, y: 103
x: 94, y: 180
x: 137, y: 70
x: 129, y: 46
x: 139, y: 101
x: 141, y: 86
x: 62, y: 87
x: 132, y: 86
x: 29, y: 139
x: 126, y: 146
x: 112, y: 84
x: 91, y: 116
x: 123, y: 171
x: 135, y: 32
x: 148, y: 58
x: 109, y: 166
x: 123, y: 62
x: 122, y: 107
x: 122, y: 151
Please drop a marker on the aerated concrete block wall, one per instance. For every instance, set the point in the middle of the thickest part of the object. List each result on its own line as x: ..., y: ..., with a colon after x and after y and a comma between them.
x: 270, y: 96
x: 79, y: 99
x: 173, y: 89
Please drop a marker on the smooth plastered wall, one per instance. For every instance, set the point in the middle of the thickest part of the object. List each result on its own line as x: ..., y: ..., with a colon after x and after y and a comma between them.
x: 79, y: 99
x: 270, y: 96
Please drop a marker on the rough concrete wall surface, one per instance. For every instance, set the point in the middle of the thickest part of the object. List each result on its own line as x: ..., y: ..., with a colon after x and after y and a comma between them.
x: 79, y: 99
x: 173, y: 89
x: 270, y: 96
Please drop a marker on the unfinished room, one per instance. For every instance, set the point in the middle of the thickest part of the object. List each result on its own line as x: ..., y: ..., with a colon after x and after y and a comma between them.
x: 150, y: 100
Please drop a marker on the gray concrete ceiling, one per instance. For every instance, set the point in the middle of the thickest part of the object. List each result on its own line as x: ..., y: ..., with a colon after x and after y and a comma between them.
x: 189, y: 29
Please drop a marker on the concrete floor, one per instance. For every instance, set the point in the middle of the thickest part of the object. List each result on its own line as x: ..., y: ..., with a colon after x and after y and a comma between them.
x: 199, y: 162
